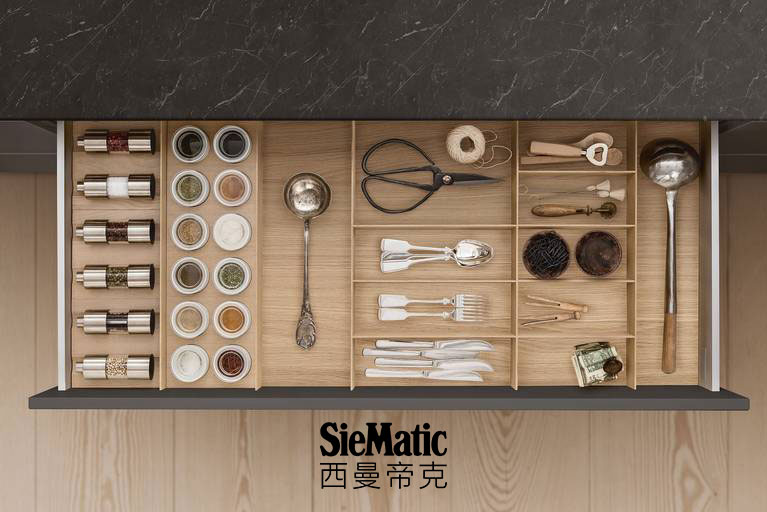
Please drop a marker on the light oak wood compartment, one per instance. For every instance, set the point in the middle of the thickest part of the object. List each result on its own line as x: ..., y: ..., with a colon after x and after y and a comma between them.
x: 500, y: 359
x: 367, y: 254
x: 568, y: 132
x: 547, y: 361
x: 571, y: 236
x: 210, y: 254
x: 625, y: 308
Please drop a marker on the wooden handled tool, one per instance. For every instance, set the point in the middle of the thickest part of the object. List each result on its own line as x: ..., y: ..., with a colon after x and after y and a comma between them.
x: 668, y: 363
x: 614, y: 157
x: 607, y: 210
x: 559, y: 317
x: 543, y: 302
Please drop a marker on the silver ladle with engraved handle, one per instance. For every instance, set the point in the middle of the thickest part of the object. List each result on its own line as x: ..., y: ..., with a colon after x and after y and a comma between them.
x: 307, y: 196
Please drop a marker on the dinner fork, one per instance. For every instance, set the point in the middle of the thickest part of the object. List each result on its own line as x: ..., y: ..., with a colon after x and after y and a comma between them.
x: 456, y: 314
x: 460, y: 300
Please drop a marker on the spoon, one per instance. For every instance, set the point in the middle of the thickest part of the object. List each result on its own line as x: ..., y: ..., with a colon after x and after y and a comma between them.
x: 397, y: 254
x: 593, y: 138
x: 671, y: 164
x: 307, y: 196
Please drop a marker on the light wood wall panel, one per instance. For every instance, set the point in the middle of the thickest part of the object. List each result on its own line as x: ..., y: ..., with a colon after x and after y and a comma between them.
x: 658, y: 461
x: 746, y: 244
x: 18, y: 320
x: 242, y: 460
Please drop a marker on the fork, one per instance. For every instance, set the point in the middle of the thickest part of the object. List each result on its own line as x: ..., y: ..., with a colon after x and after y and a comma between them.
x: 456, y: 314
x: 460, y: 300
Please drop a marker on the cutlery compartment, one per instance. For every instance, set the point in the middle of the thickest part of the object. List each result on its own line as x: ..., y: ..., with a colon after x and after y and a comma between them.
x: 500, y: 297
x: 500, y: 359
x: 367, y: 254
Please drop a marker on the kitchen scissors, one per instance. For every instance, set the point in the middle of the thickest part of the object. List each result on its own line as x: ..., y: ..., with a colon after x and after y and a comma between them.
x: 439, y: 177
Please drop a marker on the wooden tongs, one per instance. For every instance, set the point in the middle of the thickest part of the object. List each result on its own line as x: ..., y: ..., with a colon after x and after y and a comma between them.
x: 574, y: 311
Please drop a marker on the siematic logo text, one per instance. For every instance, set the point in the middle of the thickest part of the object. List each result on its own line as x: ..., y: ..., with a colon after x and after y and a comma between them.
x: 379, y: 440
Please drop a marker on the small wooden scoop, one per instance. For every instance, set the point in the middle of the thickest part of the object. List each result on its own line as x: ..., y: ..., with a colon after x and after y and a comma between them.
x: 593, y: 138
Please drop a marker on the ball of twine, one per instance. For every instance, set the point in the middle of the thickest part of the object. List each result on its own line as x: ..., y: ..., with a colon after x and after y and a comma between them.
x: 469, y: 152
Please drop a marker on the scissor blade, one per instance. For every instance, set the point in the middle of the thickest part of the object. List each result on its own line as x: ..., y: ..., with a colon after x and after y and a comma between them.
x: 473, y: 179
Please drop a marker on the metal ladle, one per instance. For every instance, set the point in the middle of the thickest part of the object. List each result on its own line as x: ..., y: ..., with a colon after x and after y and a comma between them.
x: 307, y: 196
x: 671, y: 164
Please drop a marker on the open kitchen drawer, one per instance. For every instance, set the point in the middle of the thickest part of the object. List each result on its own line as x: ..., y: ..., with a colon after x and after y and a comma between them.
x: 532, y: 366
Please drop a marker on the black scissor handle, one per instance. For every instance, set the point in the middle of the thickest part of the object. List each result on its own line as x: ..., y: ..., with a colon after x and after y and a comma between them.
x: 375, y: 147
x: 385, y: 175
x: 364, y: 186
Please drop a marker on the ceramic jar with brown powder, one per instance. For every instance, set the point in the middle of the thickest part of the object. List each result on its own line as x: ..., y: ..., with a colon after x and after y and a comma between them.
x: 231, y: 363
x: 189, y: 232
x: 231, y: 188
x: 231, y: 319
x: 189, y: 319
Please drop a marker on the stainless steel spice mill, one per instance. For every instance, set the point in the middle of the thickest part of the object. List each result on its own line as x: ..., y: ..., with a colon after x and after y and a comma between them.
x: 105, y: 276
x: 105, y: 322
x: 103, y: 231
x: 117, y: 187
x: 116, y: 367
x: 105, y: 141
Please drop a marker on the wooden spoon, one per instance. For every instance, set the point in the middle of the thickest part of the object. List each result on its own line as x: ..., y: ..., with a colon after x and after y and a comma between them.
x: 592, y: 138
x: 614, y: 157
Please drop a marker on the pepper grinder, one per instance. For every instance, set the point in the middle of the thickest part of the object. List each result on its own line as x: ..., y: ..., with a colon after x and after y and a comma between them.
x: 116, y: 367
x: 104, y: 276
x: 104, y: 141
x: 103, y: 231
x: 135, y: 321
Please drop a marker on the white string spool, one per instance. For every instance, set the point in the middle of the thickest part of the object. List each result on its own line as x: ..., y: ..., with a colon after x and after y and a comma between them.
x: 474, y: 153
x: 457, y: 136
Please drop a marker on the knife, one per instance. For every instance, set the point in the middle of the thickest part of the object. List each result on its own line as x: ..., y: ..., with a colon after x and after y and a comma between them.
x: 424, y: 374
x: 474, y: 345
x: 469, y: 365
x: 428, y: 354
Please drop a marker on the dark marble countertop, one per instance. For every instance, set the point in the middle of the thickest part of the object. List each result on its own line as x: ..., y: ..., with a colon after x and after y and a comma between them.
x: 383, y: 59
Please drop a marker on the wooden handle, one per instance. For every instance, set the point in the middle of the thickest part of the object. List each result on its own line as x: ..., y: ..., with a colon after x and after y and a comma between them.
x: 554, y: 210
x: 669, y: 343
x: 540, y: 160
x: 547, y: 148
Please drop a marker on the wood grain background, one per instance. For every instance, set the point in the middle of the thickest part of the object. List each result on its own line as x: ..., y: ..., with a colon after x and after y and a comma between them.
x: 498, y: 460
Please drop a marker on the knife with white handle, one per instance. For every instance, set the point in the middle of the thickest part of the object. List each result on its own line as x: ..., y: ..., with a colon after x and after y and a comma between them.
x: 424, y: 374
x: 428, y: 354
x: 474, y: 345
x: 469, y: 365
